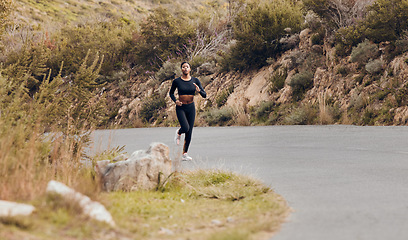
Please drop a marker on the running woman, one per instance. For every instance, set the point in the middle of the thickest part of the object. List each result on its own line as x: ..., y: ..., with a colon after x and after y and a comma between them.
x: 187, y: 86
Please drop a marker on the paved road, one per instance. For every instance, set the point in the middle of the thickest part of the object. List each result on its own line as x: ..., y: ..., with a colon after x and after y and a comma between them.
x: 343, y: 182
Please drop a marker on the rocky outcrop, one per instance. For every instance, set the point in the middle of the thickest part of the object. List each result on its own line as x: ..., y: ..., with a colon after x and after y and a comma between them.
x: 12, y: 209
x: 142, y: 170
x: 90, y: 208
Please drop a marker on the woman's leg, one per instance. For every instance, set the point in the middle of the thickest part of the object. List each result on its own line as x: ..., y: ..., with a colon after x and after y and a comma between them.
x: 190, y: 118
x: 182, y: 118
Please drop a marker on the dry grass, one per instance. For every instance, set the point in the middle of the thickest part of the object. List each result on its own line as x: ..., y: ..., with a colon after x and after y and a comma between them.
x: 201, y: 204
x: 325, y: 114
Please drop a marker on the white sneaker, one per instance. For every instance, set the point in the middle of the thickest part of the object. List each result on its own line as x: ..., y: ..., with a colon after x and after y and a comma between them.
x: 177, y: 138
x: 185, y: 157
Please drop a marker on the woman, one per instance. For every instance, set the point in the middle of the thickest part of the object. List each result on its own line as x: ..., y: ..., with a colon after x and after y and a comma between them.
x: 186, y: 86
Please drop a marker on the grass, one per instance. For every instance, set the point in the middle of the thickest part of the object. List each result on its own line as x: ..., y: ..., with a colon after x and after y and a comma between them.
x: 199, y: 204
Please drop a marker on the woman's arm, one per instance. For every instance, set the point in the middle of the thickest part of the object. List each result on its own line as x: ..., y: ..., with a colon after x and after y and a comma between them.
x: 202, y: 92
x: 172, y: 89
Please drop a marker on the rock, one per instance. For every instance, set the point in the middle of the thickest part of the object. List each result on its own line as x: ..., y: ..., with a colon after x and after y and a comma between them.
x: 216, y: 222
x: 11, y: 209
x: 142, y: 170
x: 90, y: 208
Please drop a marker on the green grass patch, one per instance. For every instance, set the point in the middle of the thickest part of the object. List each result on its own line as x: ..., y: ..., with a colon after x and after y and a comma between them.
x: 200, y: 204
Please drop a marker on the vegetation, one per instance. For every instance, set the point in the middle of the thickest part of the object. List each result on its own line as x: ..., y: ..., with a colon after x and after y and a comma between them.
x: 201, y: 204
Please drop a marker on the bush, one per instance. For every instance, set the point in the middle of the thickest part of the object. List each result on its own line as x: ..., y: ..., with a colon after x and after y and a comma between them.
x: 300, y: 83
x: 151, y: 108
x: 222, y: 97
x: 257, y: 29
x: 302, y: 115
x: 364, y: 52
x: 264, y: 109
x: 336, y: 14
x: 386, y: 20
x: 278, y: 80
x: 162, y: 37
x: 220, y: 117
x: 374, y: 66
x: 167, y: 71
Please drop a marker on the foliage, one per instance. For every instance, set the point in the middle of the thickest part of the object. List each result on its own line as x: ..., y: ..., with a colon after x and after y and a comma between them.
x: 300, y: 83
x: 219, y: 117
x: 167, y: 71
x: 337, y: 14
x: 151, y: 108
x: 264, y: 109
x: 257, y: 29
x: 364, y: 52
x: 278, y: 80
x: 302, y: 115
x: 386, y: 20
x: 73, y: 43
x: 162, y: 37
x: 5, y: 9
x: 374, y: 66
x: 223, y: 95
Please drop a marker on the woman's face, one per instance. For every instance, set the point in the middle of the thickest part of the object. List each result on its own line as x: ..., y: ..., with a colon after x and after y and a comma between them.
x: 185, y: 68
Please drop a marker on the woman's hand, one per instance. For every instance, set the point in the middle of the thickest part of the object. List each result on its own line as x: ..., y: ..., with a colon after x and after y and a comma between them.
x: 197, y: 88
x: 178, y: 103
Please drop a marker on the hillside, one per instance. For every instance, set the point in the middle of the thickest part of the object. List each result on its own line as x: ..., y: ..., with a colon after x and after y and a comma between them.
x: 34, y: 12
x: 314, y: 76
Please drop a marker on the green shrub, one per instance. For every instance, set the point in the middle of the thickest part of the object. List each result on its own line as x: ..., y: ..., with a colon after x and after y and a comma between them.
x: 152, y: 107
x: 278, y: 80
x: 386, y: 20
x: 163, y: 36
x: 220, y: 117
x: 263, y: 110
x: 302, y: 115
x: 364, y: 52
x: 167, y: 71
x: 222, y: 97
x: 300, y: 83
x: 257, y: 29
x: 72, y: 44
x: 374, y: 66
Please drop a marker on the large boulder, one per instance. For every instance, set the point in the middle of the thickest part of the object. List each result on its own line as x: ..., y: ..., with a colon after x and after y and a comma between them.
x: 142, y: 170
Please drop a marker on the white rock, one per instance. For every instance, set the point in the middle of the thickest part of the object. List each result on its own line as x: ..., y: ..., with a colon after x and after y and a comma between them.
x: 11, y: 209
x: 142, y: 170
x: 93, y: 209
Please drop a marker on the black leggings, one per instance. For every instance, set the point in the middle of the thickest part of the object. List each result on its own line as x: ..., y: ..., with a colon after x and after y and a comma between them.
x: 186, y: 116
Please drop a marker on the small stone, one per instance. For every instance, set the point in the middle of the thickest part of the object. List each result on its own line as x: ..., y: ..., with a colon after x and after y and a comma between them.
x: 230, y: 219
x: 216, y: 222
x: 166, y: 231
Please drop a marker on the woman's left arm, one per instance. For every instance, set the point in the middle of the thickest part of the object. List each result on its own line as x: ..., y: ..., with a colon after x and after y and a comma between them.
x: 202, y: 92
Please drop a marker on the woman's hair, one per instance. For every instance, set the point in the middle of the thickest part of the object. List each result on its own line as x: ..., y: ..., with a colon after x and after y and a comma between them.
x: 181, y: 66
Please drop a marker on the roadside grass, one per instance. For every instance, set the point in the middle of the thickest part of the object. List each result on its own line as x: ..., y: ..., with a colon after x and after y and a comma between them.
x: 198, y: 204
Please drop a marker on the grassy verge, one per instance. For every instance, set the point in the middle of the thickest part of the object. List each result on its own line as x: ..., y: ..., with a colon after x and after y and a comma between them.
x: 200, y: 204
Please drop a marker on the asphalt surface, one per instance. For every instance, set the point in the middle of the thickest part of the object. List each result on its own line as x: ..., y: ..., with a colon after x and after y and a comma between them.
x: 342, y: 182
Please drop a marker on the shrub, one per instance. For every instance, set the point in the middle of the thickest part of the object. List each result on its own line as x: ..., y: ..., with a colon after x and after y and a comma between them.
x: 278, y: 80
x: 222, y: 97
x: 262, y: 112
x: 167, y: 71
x: 364, y: 52
x: 374, y: 66
x: 300, y: 83
x: 258, y: 28
x: 386, y: 20
x: 302, y: 115
x: 152, y: 107
x: 219, y: 117
x: 162, y: 37
x: 337, y: 14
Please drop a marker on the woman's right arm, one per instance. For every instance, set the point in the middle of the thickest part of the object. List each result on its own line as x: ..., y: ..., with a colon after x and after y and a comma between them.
x: 172, y: 89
